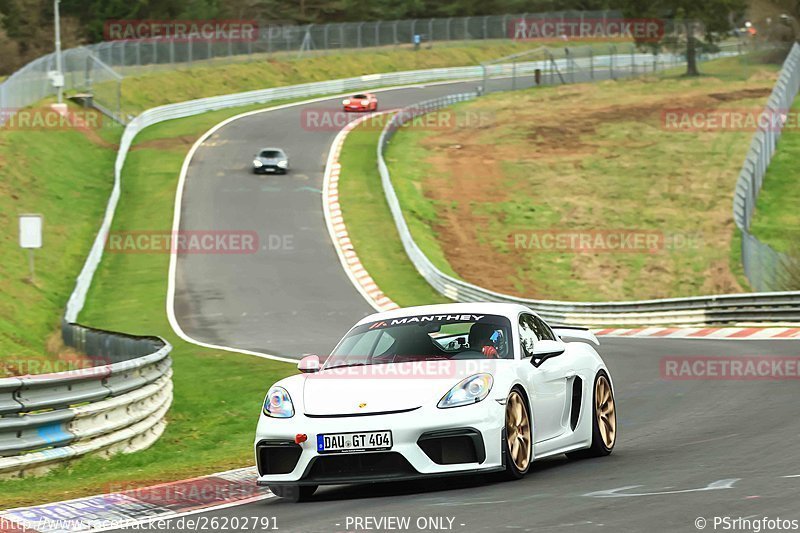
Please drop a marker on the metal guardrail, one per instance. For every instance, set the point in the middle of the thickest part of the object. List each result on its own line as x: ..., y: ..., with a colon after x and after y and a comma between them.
x: 765, y: 268
x: 719, y: 309
x: 117, y: 406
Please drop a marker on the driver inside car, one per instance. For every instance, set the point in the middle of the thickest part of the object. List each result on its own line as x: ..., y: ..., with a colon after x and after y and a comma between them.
x: 487, y: 339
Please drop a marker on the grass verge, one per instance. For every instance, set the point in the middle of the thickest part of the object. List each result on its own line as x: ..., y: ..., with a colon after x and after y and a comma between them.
x: 66, y: 176
x: 370, y: 224
x: 579, y: 161
x: 217, y: 395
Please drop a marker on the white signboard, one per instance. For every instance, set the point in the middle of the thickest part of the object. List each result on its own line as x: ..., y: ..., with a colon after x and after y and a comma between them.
x: 30, y: 231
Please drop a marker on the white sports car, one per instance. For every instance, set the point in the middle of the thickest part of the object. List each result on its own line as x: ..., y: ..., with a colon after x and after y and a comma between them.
x: 436, y: 391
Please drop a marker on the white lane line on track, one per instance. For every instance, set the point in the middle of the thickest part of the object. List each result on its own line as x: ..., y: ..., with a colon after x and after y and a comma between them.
x: 721, y: 484
x: 704, y: 441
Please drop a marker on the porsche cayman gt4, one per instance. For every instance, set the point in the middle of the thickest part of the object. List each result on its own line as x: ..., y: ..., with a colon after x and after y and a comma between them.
x: 436, y: 391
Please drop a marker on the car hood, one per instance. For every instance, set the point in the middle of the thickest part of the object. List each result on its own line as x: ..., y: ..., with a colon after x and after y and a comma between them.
x: 379, y: 388
x: 270, y: 160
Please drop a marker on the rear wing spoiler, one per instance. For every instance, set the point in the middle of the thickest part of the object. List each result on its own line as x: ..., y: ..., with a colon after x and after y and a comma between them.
x: 576, y: 332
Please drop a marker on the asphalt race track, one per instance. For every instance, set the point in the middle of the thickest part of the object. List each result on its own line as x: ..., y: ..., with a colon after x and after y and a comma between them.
x: 292, y: 297
x: 677, y: 439
x: 686, y: 449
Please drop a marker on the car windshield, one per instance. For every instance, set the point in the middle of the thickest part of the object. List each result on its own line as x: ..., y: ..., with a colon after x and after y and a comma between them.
x: 424, y: 338
x: 361, y: 96
x: 271, y: 154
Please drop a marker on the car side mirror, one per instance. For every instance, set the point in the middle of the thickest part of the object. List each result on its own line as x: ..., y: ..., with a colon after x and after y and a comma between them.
x: 309, y: 364
x: 543, y: 350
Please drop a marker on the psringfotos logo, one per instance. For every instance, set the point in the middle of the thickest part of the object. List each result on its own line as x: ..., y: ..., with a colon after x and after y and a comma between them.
x: 211, y: 30
x: 754, y: 524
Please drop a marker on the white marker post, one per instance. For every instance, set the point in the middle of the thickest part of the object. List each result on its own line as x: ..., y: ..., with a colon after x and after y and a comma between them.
x: 30, y: 236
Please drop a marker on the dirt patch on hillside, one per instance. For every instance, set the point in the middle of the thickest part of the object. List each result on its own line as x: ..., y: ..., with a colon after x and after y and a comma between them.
x: 470, y: 171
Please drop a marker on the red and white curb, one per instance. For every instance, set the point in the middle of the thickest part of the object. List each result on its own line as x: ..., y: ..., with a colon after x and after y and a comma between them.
x: 731, y: 333
x: 130, y: 507
x: 358, y: 275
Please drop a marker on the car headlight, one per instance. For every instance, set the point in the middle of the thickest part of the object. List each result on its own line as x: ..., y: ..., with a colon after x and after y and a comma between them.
x: 346, y: 102
x: 278, y: 403
x: 364, y: 102
x: 469, y: 391
x: 283, y: 164
x: 257, y: 163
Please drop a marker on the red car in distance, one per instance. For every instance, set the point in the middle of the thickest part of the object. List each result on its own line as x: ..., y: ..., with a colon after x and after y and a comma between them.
x: 361, y: 102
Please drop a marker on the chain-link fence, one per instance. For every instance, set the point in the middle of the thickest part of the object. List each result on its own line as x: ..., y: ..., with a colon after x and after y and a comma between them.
x: 765, y: 268
x: 575, y: 64
x: 96, y: 68
x: 83, y: 72
x: 136, y: 55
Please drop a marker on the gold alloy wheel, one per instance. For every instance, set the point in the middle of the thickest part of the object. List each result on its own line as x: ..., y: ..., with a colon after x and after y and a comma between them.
x: 606, y: 413
x: 518, y: 431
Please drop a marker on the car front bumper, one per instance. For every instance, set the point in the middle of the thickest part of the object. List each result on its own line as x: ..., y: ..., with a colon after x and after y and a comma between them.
x: 426, y: 442
x: 269, y: 169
